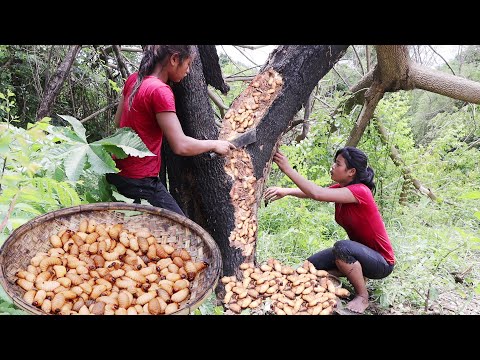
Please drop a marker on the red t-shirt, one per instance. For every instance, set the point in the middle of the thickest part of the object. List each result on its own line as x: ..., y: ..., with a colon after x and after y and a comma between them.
x: 363, y: 222
x: 152, y: 97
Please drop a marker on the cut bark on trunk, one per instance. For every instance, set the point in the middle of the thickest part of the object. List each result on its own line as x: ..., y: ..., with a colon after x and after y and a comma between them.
x: 223, y: 194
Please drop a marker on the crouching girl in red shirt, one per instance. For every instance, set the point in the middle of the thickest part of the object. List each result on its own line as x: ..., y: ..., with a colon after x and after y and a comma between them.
x: 368, y: 252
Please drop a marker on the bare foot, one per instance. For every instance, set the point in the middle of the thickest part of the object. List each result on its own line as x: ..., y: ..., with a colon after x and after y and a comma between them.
x: 358, y: 304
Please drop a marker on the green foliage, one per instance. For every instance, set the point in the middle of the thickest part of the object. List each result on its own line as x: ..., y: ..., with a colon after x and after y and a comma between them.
x: 77, y: 153
x: 43, y: 164
x: 208, y: 307
x: 45, y: 168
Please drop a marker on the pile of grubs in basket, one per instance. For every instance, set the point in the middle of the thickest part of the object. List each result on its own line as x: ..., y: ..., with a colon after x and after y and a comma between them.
x: 105, y: 269
x: 288, y: 291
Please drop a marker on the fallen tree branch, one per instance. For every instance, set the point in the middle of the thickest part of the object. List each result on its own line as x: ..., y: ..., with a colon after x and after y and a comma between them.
x: 398, y: 161
x: 99, y: 112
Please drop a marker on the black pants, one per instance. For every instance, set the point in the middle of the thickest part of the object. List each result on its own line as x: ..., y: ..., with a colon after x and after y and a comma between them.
x: 150, y: 189
x: 374, y: 265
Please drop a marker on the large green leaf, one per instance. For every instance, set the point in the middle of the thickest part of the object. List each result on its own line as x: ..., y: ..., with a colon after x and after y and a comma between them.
x: 98, y: 165
x: 115, y: 150
x: 128, y: 140
x: 99, y: 160
x: 79, y: 155
x: 77, y: 126
x: 75, y: 160
x: 99, y: 150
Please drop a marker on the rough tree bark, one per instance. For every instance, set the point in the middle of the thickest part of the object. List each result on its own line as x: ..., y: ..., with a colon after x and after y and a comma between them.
x: 222, y: 195
x: 52, y: 89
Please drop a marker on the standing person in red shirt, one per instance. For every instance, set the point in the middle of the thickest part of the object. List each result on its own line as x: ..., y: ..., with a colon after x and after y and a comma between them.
x: 369, y: 252
x: 147, y: 105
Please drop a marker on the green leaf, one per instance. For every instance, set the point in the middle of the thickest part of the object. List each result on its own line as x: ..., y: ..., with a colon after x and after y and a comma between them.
x: 77, y: 126
x: 9, y: 308
x: 75, y: 160
x: 67, y: 195
x: 471, y: 195
x: 5, y: 141
x: 218, y: 310
x: 104, y: 189
x: 434, y: 293
x: 126, y: 139
x: 41, y: 124
x: 115, y: 150
x: 59, y: 173
x: 477, y: 289
x: 98, y: 165
x: 119, y: 197
x: 62, y: 133
x: 477, y: 214
x: 102, y: 154
x: 27, y: 208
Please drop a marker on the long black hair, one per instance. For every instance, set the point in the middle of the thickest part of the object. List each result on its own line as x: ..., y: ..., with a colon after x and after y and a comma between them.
x: 356, y: 158
x: 154, y: 54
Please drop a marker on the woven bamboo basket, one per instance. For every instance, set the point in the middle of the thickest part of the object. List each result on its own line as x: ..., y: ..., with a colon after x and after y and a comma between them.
x: 167, y: 226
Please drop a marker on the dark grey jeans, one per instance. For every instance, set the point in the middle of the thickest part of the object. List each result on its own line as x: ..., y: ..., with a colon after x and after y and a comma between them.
x: 149, y: 188
x: 374, y: 265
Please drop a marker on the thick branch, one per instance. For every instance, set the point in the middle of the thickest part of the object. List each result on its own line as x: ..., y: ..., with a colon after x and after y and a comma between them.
x: 365, y: 82
x: 445, y: 84
x: 131, y: 49
x: 239, y: 78
x: 393, y: 63
x: 359, y: 90
x: 372, y: 97
x: 99, y: 112
x: 217, y: 101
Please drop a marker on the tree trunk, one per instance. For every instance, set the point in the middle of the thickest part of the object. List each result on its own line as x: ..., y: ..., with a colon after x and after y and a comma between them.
x: 223, y: 194
x: 211, y: 68
x: 56, y: 82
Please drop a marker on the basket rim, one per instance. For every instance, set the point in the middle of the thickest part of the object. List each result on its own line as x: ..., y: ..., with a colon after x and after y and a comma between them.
x: 106, y: 206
